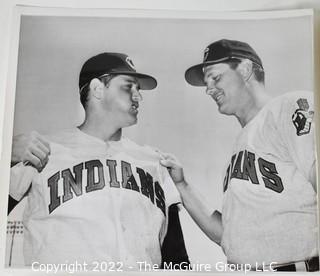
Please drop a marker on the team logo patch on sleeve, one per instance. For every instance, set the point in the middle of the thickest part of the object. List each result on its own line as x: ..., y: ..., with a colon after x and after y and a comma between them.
x: 302, y: 117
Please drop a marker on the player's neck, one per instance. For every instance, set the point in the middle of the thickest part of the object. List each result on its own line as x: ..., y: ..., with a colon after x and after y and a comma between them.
x: 254, y: 104
x: 102, y: 130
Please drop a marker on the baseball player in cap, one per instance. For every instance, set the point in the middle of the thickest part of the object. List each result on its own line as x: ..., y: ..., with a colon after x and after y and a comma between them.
x: 269, y: 213
x: 100, y: 197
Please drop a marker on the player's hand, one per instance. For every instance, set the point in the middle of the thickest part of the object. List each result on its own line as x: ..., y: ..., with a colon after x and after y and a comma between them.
x: 174, y: 167
x: 31, y: 149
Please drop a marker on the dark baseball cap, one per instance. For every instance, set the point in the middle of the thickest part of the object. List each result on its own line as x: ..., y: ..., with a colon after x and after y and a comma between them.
x: 218, y: 52
x: 113, y: 63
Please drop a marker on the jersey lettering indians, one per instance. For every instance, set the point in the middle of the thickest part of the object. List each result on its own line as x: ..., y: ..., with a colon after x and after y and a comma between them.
x: 95, y: 181
x: 96, y: 201
x: 245, y: 166
x: 269, y: 209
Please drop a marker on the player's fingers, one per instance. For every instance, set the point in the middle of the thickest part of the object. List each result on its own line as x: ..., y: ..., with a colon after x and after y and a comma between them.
x: 169, y: 156
x: 168, y: 163
x: 174, y: 162
x: 44, y: 163
x: 36, y: 151
x: 43, y: 142
x: 165, y: 163
x: 38, y: 140
x: 30, y: 159
x: 45, y: 148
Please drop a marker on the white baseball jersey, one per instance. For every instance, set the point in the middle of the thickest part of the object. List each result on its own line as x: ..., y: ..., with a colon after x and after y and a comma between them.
x: 95, y: 202
x: 269, y: 210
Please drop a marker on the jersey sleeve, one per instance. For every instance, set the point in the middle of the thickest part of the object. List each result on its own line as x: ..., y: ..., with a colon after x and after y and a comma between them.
x: 21, y: 177
x: 298, y: 128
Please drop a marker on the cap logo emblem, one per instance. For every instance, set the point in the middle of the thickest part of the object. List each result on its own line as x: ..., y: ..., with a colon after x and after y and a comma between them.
x: 130, y: 63
x: 206, y: 53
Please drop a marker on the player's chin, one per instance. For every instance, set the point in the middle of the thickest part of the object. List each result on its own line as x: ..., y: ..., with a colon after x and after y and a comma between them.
x: 220, y: 108
x: 223, y: 109
x: 132, y: 120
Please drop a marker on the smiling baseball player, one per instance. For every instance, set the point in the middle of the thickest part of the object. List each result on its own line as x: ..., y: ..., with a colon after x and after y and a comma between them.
x: 269, y: 213
x: 101, y: 198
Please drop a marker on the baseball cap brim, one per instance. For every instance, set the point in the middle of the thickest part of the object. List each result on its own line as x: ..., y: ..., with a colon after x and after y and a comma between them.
x: 194, y: 75
x: 146, y: 82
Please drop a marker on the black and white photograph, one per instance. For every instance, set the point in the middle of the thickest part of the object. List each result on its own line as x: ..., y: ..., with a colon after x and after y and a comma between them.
x: 147, y: 140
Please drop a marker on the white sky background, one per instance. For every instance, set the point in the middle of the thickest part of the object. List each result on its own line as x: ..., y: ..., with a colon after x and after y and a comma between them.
x: 175, y: 117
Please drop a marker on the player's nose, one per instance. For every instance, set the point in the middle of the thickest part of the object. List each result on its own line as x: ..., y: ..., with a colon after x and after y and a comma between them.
x: 210, y: 90
x: 210, y: 86
x: 136, y: 95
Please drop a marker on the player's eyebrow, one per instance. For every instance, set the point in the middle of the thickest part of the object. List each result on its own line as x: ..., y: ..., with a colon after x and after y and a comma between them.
x: 133, y: 81
x: 211, y: 74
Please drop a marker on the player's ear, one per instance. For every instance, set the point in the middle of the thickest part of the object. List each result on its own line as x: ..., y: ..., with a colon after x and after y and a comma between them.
x: 245, y: 69
x: 96, y: 86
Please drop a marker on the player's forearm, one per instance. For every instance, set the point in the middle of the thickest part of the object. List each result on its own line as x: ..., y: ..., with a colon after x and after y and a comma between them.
x: 210, y: 223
